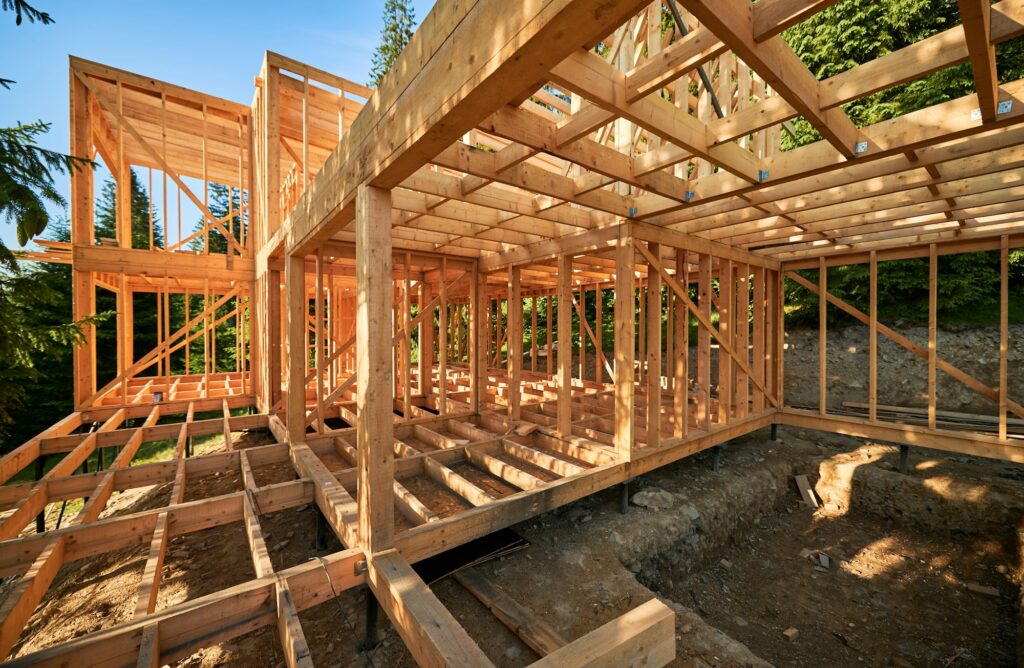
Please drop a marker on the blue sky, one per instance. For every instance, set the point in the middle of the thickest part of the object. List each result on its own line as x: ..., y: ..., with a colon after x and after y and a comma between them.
x: 214, y: 47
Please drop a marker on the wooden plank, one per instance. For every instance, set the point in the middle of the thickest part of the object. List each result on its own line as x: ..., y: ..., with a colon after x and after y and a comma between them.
x: 453, y: 481
x: 1004, y: 319
x: 507, y: 472
x: 822, y: 338
x: 559, y: 467
x: 515, y: 343
x: 933, y: 294
x: 805, y: 491
x: 22, y: 600
x: 654, y: 352
x: 564, y: 377
x: 704, y: 343
x: 531, y: 629
x: 430, y: 632
x: 873, y: 338
x: 733, y: 22
x: 625, y: 337
x: 772, y: 17
x: 644, y: 636
x: 976, y: 18
x: 454, y: 75
x: 681, y: 348
x: 149, y: 588
x: 289, y: 630
x: 375, y: 431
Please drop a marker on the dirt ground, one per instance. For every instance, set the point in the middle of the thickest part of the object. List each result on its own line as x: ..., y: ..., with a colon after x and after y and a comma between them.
x: 888, y: 596
x: 902, y: 550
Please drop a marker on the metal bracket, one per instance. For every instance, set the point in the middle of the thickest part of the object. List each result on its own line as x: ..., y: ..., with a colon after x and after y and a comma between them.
x: 762, y: 175
x: 689, y: 195
x: 632, y: 212
x: 860, y: 147
x: 361, y: 567
x: 975, y: 114
x: 1004, y: 107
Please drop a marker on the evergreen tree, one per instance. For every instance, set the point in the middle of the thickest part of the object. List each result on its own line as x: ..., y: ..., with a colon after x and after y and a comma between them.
x: 852, y: 32
x: 106, y: 215
x: 222, y: 200
x: 36, y: 346
x: 399, y: 24
x: 27, y: 170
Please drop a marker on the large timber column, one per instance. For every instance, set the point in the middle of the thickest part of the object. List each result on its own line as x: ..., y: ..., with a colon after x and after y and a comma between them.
x: 625, y: 341
x: 83, y: 286
x: 374, y: 386
x: 296, y: 351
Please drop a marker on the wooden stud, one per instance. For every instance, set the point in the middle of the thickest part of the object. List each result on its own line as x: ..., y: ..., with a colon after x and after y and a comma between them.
x: 375, y: 389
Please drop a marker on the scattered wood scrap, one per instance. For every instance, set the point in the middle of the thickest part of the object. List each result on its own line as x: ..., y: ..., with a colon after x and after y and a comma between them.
x: 806, y: 493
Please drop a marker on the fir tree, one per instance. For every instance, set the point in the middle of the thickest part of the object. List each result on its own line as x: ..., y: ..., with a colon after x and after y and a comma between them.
x: 399, y: 24
x: 27, y: 170
x: 222, y: 200
x: 106, y: 215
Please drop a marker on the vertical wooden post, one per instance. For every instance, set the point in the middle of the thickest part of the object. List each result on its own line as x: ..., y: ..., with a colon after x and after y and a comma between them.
x: 759, y: 346
x: 704, y: 343
x: 1004, y: 322
x: 318, y: 343
x: 726, y: 307
x: 426, y: 342
x: 564, y: 379
x: 933, y: 293
x: 598, y: 326
x: 741, y: 323
x: 296, y: 352
x: 822, y: 336
x: 442, y: 341
x: 772, y: 344
x: 479, y: 334
x: 375, y: 387
x: 533, y: 334
x: 581, y: 331
x: 873, y: 337
x: 272, y: 188
x: 654, y: 350
x: 680, y: 349
x: 273, y: 325
x: 515, y: 342
x: 407, y: 338
x: 780, y: 337
x: 547, y: 336
x: 625, y: 342
x: 83, y: 289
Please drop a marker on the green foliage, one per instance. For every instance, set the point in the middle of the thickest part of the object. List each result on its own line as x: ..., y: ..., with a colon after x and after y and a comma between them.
x: 26, y: 181
x: 852, y: 32
x: 106, y: 215
x: 22, y: 9
x: 36, y: 345
x: 27, y: 170
x: 399, y: 25
x: 968, y: 290
x: 222, y: 200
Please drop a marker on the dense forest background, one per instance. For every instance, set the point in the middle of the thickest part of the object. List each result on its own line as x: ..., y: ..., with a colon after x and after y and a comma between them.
x: 35, y: 298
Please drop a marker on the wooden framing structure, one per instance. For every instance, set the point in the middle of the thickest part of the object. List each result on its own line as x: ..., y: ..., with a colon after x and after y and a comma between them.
x: 388, y: 242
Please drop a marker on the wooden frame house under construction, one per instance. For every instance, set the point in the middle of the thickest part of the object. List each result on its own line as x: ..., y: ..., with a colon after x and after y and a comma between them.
x: 378, y: 265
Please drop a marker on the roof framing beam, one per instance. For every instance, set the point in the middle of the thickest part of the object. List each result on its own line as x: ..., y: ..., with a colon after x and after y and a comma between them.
x: 588, y: 75
x: 455, y: 71
x: 976, y: 17
x: 733, y: 22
